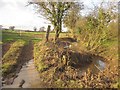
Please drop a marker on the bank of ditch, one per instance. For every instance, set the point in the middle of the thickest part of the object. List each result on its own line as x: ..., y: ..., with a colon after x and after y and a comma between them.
x: 66, y: 67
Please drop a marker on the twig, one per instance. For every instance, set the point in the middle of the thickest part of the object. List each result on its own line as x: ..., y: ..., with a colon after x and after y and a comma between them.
x: 97, y: 68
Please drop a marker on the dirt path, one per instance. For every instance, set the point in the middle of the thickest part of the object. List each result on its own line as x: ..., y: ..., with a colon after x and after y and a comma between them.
x: 27, y: 77
x: 27, y: 74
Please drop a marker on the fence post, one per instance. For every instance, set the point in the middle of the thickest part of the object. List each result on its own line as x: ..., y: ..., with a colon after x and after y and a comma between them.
x: 47, y: 33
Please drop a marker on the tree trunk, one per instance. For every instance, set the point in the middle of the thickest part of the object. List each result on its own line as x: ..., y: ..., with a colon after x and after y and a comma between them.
x: 58, y: 28
x: 58, y: 23
x: 57, y: 32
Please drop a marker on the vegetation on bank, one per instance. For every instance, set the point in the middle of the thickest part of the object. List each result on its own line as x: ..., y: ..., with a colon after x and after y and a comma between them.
x: 38, y: 56
x: 50, y: 60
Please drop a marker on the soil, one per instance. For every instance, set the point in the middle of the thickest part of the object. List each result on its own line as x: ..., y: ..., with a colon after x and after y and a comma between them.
x: 39, y: 35
x: 5, y: 48
x: 26, y: 53
x: 68, y: 39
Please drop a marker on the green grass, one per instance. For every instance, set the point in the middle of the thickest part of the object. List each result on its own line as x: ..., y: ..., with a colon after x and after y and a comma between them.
x: 36, y: 40
x: 8, y: 36
x: 38, y: 55
x: 110, y: 43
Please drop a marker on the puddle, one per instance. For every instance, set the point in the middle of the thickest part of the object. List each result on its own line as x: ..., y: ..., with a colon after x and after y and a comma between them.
x: 101, y: 65
x: 97, y: 65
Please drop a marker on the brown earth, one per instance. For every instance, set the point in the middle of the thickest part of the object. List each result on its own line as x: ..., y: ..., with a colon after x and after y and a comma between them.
x: 5, y: 48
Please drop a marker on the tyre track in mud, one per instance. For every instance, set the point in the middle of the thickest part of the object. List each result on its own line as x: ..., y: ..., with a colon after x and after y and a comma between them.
x: 25, y: 56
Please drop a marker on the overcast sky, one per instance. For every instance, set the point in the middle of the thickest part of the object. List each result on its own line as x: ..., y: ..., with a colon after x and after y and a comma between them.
x: 16, y: 13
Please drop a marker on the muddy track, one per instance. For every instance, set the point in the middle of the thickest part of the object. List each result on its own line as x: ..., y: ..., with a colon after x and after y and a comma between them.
x: 25, y: 55
x: 26, y: 71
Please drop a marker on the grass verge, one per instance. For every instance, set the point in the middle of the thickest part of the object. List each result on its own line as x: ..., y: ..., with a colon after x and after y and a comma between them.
x: 38, y: 56
x: 11, y: 57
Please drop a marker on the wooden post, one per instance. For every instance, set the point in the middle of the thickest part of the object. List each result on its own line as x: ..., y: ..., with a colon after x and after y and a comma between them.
x: 47, y: 33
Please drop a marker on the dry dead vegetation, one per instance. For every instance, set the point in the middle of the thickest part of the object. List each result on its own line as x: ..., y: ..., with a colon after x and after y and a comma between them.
x: 60, y: 66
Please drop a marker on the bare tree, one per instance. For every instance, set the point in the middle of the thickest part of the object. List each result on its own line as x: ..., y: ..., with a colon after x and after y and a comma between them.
x: 54, y: 12
x: 35, y: 29
x: 42, y: 29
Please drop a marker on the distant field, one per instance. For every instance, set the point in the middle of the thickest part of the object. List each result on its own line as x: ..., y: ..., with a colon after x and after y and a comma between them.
x: 9, y: 35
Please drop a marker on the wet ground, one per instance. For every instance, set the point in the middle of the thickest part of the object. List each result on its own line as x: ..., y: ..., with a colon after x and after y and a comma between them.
x: 97, y: 65
x: 25, y: 56
x: 27, y: 77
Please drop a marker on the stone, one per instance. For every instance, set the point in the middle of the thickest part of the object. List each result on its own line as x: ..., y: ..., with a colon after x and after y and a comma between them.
x: 21, y: 83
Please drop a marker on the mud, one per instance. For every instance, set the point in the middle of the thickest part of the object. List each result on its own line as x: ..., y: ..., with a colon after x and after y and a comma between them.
x: 5, y: 48
x: 25, y: 56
